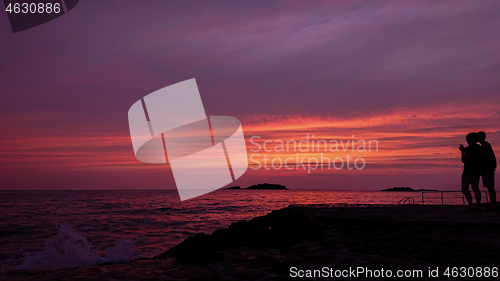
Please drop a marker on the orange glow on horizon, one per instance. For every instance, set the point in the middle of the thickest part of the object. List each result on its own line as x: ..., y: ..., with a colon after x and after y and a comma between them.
x: 424, y: 138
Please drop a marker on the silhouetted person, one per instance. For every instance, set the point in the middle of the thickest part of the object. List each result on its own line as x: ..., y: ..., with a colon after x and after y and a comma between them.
x: 473, y: 159
x: 488, y: 175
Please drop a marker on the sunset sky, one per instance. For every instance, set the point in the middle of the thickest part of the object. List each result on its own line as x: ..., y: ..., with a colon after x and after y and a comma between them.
x: 416, y: 76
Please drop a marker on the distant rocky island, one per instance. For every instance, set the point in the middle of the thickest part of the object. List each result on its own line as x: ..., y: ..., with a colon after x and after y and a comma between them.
x: 262, y: 186
x: 267, y: 186
x: 405, y: 188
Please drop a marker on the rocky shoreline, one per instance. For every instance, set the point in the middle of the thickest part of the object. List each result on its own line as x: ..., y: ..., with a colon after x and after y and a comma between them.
x: 311, y: 237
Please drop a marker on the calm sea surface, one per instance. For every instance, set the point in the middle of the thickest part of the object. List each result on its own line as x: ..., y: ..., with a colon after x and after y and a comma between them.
x: 62, y: 229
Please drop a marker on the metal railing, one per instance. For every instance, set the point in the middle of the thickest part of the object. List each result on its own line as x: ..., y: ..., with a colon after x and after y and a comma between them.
x: 443, y: 197
x: 407, y: 200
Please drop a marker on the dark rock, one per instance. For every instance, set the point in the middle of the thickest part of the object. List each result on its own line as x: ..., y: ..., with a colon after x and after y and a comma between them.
x: 279, y: 229
x: 402, y: 188
x: 268, y: 186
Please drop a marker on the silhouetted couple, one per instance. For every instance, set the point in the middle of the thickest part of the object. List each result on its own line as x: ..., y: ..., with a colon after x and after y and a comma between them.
x: 479, y: 161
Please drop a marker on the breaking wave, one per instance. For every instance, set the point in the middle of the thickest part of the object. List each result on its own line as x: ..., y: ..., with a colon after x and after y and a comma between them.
x: 69, y: 249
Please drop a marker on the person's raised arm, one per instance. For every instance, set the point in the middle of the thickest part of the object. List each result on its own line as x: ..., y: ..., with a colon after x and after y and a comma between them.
x: 464, y: 155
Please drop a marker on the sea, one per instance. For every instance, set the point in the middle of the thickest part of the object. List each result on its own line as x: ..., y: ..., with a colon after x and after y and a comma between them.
x: 66, y: 229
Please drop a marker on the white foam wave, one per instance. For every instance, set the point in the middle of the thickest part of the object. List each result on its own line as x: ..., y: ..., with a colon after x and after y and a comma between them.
x: 69, y: 249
